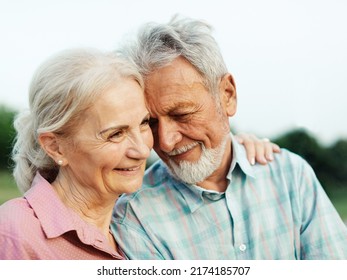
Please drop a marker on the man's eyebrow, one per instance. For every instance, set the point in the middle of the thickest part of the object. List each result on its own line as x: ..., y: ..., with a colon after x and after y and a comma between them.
x: 180, y: 105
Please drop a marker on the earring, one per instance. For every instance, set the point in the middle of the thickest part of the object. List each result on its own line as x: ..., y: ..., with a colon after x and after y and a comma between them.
x: 60, y: 162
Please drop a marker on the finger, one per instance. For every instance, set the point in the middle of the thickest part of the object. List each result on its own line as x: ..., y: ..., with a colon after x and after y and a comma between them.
x: 239, y: 138
x: 250, y: 150
x: 270, y: 149
x: 261, y: 149
x: 250, y: 142
x: 267, y: 152
x: 269, y: 145
x: 276, y: 148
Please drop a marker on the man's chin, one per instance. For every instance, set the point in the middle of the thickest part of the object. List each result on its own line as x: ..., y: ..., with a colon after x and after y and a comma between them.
x: 193, y: 172
x: 187, y: 172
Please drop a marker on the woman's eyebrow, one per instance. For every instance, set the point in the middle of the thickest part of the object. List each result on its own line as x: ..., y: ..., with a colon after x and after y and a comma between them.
x: 118, y: 127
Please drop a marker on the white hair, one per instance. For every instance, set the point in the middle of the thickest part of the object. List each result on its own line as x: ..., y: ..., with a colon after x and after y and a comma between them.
x: 63, y: 87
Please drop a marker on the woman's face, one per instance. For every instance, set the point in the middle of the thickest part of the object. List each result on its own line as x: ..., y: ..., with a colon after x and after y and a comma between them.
x: 112, y: 142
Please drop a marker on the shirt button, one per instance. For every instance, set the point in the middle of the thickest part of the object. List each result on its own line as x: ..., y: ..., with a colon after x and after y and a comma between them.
x: 242, y: 247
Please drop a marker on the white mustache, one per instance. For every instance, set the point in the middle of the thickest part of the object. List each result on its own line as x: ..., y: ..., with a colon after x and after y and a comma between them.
x: 182, y: 149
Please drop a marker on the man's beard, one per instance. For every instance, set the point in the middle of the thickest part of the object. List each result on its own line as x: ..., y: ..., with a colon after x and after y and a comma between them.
x: 194, y: 172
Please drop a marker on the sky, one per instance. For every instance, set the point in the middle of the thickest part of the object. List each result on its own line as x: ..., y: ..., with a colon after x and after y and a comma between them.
x: 288, y: 57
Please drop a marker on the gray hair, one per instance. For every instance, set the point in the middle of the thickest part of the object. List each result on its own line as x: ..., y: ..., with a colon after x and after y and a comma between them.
x: 157, y: 45
x: 62, y: 88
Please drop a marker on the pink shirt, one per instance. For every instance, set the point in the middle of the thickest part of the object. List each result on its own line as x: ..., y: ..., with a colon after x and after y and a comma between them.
x: 40, y: 226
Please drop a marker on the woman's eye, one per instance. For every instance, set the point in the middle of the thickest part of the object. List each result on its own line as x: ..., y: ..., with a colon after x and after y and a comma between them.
x: 145, y: 122
x: 116, y: 136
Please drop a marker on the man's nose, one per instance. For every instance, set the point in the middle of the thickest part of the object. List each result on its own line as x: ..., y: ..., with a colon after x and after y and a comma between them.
x: 168, y: 135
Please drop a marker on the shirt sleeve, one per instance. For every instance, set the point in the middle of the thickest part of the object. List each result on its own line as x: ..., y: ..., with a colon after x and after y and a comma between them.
x: 134, y: 242
x: 13, y: 249
x: 323, y: 235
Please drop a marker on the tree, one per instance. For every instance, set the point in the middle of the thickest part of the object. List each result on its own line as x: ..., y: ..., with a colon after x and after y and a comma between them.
x: 329, y: 163
x: 338, y: 152
x: 7, y: 134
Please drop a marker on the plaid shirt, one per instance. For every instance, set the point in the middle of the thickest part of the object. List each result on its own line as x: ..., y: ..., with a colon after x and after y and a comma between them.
x: 273, y: 211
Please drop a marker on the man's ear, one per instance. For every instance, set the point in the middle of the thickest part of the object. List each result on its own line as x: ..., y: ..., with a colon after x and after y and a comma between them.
x: 228, y: 94
x: 51, y: 145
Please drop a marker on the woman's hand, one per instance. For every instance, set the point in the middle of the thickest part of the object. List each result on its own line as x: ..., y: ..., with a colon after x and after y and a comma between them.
x: 258, y: 150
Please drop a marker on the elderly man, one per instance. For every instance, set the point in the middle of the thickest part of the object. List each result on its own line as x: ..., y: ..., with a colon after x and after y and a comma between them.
x: 203, y: 200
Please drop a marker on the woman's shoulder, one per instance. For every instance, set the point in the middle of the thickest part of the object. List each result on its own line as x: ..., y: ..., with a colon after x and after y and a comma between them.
x: 20, y: 230
x: 16, y: 216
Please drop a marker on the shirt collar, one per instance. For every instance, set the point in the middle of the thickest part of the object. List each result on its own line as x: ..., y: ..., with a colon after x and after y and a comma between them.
x: 240, y: 158
x: 195, y: 195
x: 56, y: 220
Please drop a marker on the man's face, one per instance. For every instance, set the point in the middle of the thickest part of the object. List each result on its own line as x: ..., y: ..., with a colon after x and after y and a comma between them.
x: 187, y: 121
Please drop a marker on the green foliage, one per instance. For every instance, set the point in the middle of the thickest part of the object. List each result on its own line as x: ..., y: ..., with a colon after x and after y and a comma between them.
x: 329, y: 163
x: 8, y: 188
x: 338, y: 154
x: 7, y: 134
x: 339, y: 198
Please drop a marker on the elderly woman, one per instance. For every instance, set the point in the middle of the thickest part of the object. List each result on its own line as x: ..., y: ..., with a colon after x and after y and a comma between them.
x: 82, y: 144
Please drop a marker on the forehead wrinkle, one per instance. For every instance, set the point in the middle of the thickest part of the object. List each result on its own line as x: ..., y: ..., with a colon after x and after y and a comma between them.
x: 179, y: 105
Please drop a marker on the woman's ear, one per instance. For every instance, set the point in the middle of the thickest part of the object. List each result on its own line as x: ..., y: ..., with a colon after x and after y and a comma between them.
x: 51, y: 145
x: 228, y: 94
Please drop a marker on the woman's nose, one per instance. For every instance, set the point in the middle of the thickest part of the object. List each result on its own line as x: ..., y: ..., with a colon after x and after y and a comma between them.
x: 140, y: 146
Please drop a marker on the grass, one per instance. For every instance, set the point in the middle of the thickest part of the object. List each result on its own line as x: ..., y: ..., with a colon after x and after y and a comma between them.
x: 8, y: 190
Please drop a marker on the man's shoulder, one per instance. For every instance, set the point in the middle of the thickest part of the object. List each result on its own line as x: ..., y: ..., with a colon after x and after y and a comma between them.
x: 286, y: 166
x: 287, y: 157
x: 289, y: 160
